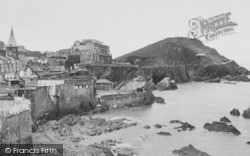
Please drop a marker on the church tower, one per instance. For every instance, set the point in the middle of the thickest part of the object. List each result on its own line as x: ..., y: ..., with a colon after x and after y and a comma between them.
x: 12, y: 46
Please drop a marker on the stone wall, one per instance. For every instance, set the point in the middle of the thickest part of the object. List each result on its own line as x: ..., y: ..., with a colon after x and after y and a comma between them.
x: 15, y: 121
x: 70, y: 96
x: 41, y: 104
x: 122, y: 100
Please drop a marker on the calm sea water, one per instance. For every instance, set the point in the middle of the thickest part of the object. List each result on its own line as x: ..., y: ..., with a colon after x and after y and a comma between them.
x: 196, y: 103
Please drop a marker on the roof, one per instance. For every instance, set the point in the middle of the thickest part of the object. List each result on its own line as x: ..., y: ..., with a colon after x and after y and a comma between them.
x: 29, y: 77
x: 56, y: 68
x: 4, y: 58
x: 103, y: 81
x: 36, y: 68
x: 12, y: 40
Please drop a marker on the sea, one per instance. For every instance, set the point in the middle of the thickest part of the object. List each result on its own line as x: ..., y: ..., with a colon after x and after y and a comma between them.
x: 195, y: 103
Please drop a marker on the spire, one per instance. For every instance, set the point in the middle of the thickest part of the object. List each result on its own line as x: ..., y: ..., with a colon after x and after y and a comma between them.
x: 12, y: 41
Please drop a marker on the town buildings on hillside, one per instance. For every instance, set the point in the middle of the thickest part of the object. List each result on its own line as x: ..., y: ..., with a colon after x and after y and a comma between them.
x: 89, y: 51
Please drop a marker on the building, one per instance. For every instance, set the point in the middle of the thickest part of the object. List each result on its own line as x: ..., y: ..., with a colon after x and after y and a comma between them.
x: 9, y: 69
x: 29, y: 76
x: 12, y: 48
x: 10, y: 66
x: 51, y: 85
x: 104, y: 84
x: 92, y: 51
x: 38, y: 70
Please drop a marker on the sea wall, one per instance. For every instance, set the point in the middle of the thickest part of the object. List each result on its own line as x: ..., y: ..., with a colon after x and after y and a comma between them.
x: 122, y: 100
x: 70, y: 98
x: 15, y: 121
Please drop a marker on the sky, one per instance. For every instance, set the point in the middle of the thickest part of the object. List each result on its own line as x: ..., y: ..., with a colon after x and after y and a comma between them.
x: 124, y: 25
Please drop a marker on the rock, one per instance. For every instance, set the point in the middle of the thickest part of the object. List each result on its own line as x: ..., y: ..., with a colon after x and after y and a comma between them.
x: 158, y: 126
x: 109, y: 148
x: 133, y: 124
x: 71, y: 125
x: 149, y: 98
x: 190, y: 151
x: 184, y: 125
x: 164, y: 133
x: 147, y: 127
x: 175, y: 121
x: 221, y: 127
x: 235, y: 112
x: 76, y: 139
x: 164, y: 84
x: 228, y: 82
x: 216, y: 80
x: 248, y: 142
x: 125, y: 151
x: 224, y: 119
x: 159, y: 100
x: 246, y: 114
x: 241, y: 77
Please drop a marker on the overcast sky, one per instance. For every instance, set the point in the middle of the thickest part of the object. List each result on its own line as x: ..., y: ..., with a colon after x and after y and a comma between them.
x: 124, y: 25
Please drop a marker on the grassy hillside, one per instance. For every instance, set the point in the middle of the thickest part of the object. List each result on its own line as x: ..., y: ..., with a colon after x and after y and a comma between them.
x: 178, y: 48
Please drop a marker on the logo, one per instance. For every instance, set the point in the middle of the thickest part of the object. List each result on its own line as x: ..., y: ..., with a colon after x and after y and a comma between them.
x: 211, y: 28
x: 7, y: 150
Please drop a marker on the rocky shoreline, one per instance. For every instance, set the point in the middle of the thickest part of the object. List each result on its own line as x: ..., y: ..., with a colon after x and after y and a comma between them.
x: 190, y: 150
x: 75, y: 129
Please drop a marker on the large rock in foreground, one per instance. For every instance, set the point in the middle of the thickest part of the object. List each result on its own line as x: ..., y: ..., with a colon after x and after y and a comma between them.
x: 221, y: 127
x: 235, y: 112
x: 109, y: 148
x: 224, y: 119
x: 190, y: 151
x: 246, y: 114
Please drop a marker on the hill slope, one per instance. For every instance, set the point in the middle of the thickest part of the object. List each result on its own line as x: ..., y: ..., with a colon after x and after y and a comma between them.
x: 184, y: 51
x: 177, y: 49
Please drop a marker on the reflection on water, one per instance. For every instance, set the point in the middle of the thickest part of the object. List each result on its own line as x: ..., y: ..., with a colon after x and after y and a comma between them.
x: 196, y: 103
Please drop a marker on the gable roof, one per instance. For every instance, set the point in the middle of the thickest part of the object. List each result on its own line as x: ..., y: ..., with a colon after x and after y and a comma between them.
x: 36, y: 68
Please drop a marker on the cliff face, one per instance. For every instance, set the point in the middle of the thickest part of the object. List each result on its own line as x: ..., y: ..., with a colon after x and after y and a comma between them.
x: 198, y: 59
x: 122, y: 75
